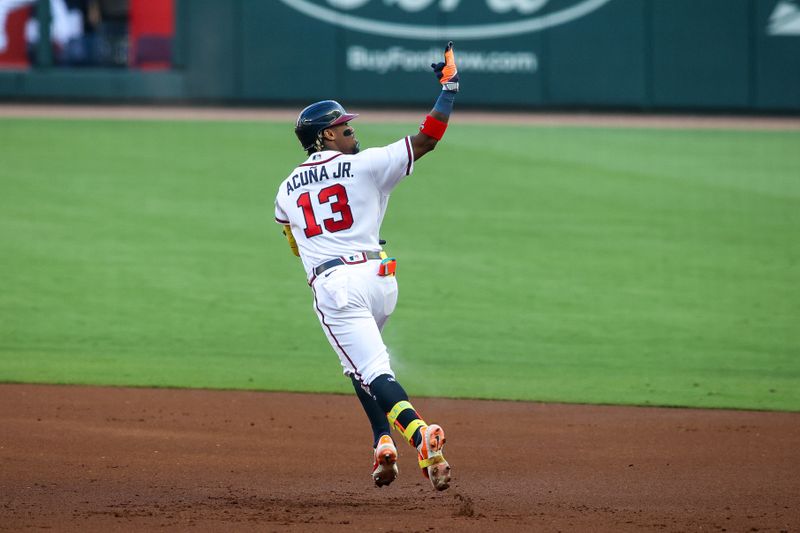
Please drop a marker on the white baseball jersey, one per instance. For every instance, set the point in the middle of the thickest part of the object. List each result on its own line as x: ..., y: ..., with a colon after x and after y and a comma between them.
x: 335, y: 202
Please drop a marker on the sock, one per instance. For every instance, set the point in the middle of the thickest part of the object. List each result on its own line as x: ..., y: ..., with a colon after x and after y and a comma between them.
x: 393, y: 400
x: 376, y: 415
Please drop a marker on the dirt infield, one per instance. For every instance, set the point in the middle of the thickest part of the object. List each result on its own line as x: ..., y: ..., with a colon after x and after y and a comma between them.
x: 102, y: 459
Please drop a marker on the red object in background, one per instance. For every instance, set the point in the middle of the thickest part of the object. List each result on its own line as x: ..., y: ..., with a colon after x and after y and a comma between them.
x: 151, y: 29
x: 16, y: 54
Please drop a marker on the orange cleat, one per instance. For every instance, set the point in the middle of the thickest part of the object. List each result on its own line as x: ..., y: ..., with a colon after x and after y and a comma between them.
x: 433, y: 464
x: 384, y: 470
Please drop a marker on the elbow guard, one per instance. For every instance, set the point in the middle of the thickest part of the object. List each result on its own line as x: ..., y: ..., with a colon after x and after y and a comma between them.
x: 287, y: 230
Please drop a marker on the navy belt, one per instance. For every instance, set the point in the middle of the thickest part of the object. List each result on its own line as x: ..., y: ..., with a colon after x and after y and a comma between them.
x: 355, y: 259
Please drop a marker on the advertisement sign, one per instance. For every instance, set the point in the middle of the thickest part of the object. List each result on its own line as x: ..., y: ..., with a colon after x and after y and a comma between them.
x: 377, y: 49
x: 500, y: 18
x: 722, y: 55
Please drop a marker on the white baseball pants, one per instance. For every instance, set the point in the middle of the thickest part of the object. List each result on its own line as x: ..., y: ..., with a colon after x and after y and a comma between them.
x: 353, y: 303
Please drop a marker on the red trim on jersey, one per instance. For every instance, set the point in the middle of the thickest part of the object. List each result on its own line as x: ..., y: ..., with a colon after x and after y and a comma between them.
x: 316, y: 304
x: 410, y: 155
x: 279, y: 221
x: 320, y: 162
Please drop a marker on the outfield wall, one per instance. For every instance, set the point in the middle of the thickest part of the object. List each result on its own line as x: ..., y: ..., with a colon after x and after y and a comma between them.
x: 734, y: 55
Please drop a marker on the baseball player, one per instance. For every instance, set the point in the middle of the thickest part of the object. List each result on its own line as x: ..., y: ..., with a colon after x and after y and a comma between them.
x: 331, y: 207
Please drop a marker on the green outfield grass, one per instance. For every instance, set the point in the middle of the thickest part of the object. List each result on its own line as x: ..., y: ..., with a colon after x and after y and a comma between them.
x: 624, y: 266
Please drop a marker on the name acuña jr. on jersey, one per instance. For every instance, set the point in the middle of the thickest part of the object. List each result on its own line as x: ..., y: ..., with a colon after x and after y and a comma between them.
x: 317, y: 174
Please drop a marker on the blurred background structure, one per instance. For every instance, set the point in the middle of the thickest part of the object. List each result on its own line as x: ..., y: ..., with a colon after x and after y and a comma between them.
x: 695, y: 55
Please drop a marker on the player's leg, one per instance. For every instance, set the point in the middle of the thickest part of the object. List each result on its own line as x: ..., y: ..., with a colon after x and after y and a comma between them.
x: 353, y: 333
x: 384, y: 468
x: 427, y: 439
x: 350, y: 304
x: 376, y: 415
x: 342, y: 305
x: 392, y: 398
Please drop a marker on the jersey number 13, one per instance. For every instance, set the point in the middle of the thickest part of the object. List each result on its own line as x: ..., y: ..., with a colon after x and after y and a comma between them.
x: 336, y: 195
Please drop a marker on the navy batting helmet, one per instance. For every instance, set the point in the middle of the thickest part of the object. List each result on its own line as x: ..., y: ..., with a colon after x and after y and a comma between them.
x: 316, y: 118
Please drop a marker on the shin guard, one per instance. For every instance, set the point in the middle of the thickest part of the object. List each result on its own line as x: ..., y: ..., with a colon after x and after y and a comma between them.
x: 393, y: 399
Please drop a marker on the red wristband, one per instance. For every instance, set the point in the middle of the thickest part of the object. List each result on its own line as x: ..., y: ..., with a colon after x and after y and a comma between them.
x: 433, y: 127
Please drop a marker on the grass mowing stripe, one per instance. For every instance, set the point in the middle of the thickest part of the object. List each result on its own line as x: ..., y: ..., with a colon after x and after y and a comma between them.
x: 563, y: 264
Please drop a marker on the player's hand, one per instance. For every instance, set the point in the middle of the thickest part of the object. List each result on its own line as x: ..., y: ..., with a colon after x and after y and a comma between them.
x: 446, y: 71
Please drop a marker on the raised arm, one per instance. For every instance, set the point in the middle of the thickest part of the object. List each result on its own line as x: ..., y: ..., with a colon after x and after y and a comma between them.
x: 435, y: 123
